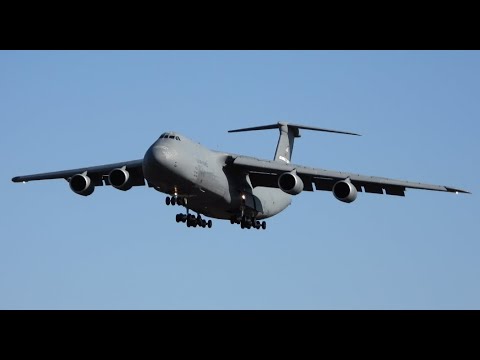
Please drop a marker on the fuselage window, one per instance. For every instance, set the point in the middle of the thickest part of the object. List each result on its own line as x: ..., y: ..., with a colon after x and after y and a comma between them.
x: 172, y: 137
x: 177, y: 138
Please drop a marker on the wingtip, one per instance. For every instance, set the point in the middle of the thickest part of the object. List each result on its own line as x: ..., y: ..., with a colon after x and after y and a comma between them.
x: 457, y: 191
x: 19, y: 179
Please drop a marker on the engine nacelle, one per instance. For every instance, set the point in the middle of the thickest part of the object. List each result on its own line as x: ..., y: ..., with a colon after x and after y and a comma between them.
x: 81, y: 184
x: 345, y: 191
x: 290, y: 183
x: 119, y: 179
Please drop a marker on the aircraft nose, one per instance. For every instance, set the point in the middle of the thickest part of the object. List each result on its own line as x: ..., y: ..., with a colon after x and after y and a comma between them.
x: 158, y: 160
x: 154, y: 156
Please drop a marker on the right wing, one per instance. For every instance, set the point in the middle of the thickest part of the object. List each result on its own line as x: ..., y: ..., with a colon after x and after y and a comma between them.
x: 266, y: 173
x: 97, y: 174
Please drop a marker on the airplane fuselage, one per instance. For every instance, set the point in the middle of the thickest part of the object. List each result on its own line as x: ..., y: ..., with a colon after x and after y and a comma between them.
x: 178, y: 166
x: 227, y: 186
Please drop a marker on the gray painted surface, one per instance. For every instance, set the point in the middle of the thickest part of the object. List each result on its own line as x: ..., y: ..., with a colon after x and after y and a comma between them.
x: 226, y: 186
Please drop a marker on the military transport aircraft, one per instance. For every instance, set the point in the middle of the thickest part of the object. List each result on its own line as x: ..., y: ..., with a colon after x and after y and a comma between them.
x: 242, y: 189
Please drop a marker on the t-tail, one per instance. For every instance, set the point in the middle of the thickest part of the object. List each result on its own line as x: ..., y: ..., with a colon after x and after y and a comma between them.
x: 288, y: 133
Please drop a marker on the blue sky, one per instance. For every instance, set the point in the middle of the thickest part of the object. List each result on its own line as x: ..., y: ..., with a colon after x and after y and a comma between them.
x: 418, y: 112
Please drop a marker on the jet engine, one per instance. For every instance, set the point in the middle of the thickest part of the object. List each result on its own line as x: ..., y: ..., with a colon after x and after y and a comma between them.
x: 345, y: 191
x: 81, y: 184
x: 119, y: 179
x: 290, y: 183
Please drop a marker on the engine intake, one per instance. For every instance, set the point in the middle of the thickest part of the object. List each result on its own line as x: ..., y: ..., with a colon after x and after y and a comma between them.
x: 81, y: 184
x: 290, y: 183
x: 119, y: 179
x: 345, y: 191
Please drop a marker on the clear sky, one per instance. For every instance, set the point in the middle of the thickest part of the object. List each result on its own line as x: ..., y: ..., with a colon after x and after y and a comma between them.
x: 419, y: 116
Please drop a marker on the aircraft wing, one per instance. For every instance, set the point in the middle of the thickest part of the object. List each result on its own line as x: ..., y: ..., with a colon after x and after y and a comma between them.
x: 98, y: 174
x: 266, y: 173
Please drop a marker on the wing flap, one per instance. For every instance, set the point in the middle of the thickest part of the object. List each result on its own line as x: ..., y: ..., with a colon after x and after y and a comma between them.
x: 373, y: 188
x: 395, y: 190
x: 263, y: 179
x: 323, y: 184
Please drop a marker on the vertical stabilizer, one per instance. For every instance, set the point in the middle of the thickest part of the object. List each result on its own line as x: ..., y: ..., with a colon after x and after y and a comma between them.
x: 288, y: 133
x: 285, y: 142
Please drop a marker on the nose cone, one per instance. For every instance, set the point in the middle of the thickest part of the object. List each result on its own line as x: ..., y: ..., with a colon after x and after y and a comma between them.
x: 158, y: 162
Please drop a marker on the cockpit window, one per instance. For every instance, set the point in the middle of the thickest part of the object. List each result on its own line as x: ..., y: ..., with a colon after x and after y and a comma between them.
x: 168, y: 136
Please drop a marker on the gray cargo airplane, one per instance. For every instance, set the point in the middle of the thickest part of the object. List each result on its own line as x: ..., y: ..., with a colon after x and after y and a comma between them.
x: 227, y: 186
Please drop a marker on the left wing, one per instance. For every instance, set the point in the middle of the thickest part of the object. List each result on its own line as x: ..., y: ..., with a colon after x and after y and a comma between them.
x: 266, y: 173
x: 97, y: 174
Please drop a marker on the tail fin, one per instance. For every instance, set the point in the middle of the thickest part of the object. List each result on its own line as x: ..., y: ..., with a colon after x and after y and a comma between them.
x: 288, y: 133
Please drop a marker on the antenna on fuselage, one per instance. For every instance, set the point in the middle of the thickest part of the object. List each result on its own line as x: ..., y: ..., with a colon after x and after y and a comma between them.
x: 288, y: 133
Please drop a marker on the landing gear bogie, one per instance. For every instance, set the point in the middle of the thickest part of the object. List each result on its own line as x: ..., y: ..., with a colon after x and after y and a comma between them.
x: 248, y: 223
x: 193, y: 221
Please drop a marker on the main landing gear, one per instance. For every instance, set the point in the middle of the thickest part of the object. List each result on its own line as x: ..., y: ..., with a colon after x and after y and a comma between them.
x: 248, y: 222
x: 189, y: 219
x: 192, y: 220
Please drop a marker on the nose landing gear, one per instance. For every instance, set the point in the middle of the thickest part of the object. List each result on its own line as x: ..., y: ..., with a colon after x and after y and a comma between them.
x: 175, y: 200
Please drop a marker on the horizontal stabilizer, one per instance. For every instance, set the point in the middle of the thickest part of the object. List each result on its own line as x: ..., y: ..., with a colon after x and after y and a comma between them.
x: 292, y: 126
x: 266, y: 127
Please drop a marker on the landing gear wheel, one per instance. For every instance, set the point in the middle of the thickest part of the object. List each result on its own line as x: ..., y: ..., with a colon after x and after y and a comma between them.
x: 192, y: 220
x: 173, y: 201
x: 167, y: 200
x: 264, y: 225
